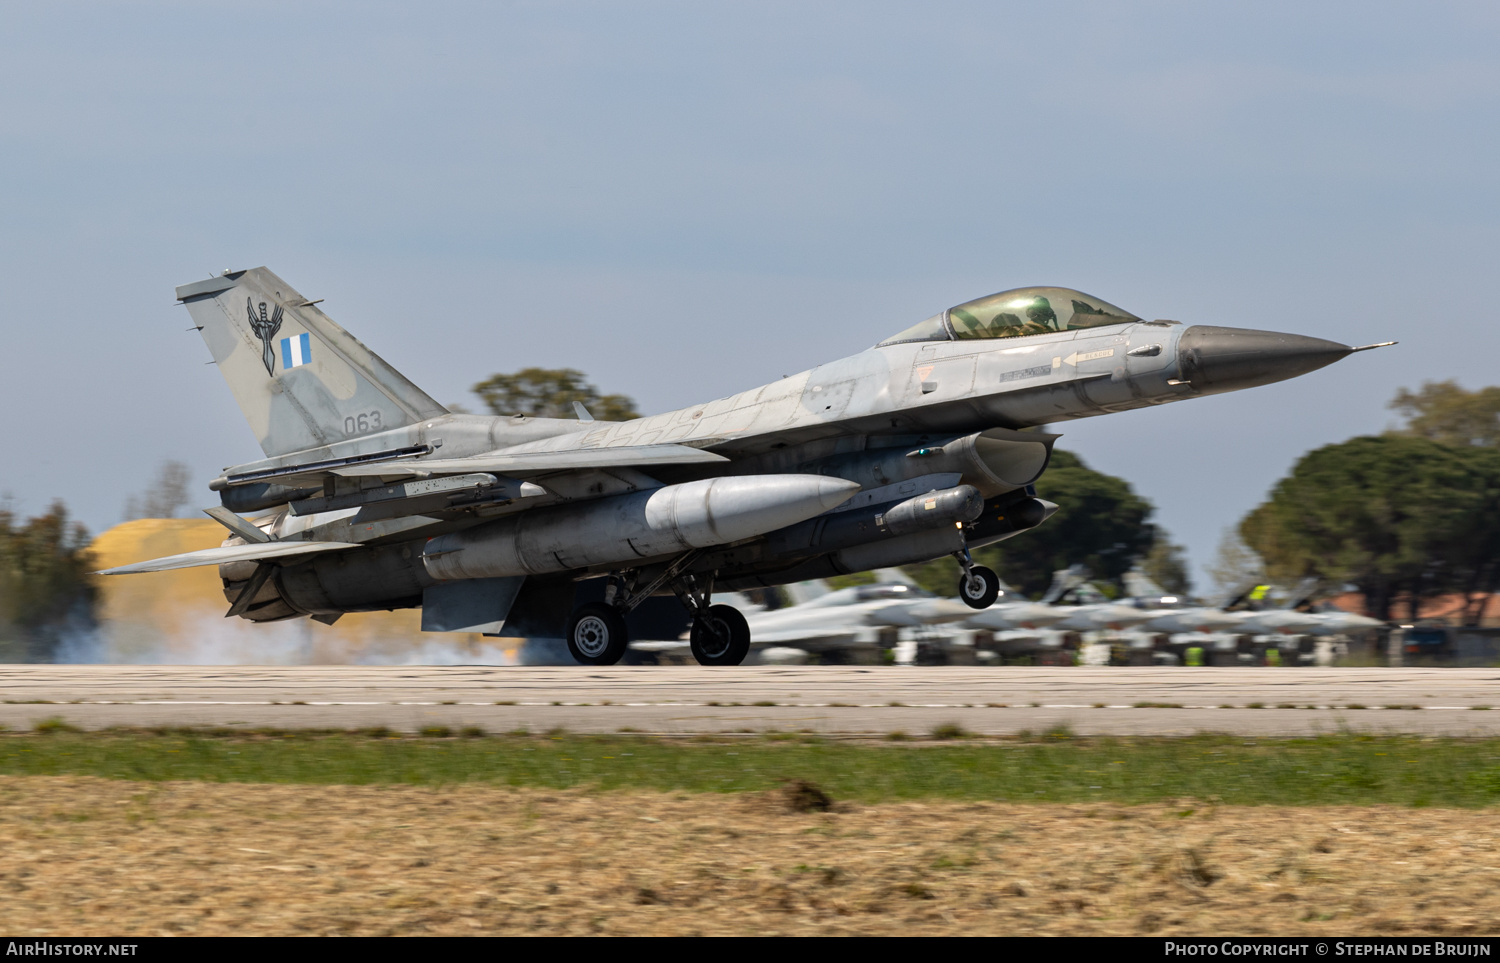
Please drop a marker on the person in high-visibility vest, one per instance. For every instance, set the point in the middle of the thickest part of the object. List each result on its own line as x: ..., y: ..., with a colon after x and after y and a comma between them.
x: 1193, y: 655
x: 1273, y: 655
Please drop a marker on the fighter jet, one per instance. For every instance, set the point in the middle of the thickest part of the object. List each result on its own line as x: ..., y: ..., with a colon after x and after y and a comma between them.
x: 1088, y: 610
x: 371, y: 495
x: 1006, y: 615
x: 840, y: 618
x: 1170, y: 614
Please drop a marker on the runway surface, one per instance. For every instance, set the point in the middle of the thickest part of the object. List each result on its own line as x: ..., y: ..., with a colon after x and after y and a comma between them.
x: 836, y: 700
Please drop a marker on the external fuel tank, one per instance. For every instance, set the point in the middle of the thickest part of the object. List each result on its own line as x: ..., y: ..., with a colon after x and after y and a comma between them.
x: 624, y: 529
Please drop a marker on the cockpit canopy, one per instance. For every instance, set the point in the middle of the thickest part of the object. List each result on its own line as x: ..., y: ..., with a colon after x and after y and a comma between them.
x: 1014, y: 313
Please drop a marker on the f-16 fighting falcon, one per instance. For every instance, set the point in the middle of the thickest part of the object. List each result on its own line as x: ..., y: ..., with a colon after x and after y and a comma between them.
x: 372, y: 495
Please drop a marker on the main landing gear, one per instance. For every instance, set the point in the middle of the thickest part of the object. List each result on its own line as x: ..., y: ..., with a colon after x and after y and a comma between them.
x: 597, y: 634
x: 720, y: 635
x: 977, y: 586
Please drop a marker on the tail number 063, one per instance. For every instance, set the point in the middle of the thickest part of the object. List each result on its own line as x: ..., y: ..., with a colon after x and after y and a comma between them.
x: 359, y: 424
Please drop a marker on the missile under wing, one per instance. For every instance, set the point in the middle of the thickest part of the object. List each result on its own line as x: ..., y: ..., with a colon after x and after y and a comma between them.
x: 371, y: 495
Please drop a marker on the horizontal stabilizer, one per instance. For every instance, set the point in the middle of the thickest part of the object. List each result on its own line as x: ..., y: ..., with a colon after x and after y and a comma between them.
x: 237, y: 525
x: 521, y: 463
x: 228, y: 553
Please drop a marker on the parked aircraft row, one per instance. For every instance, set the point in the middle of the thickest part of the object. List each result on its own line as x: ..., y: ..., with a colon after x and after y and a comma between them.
x: 822, y: 620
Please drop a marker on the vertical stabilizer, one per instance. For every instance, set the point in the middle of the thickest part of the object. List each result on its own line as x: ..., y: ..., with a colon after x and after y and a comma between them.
x: 301, y: 380
x: 1065, y: 580
x: 1139, y: 585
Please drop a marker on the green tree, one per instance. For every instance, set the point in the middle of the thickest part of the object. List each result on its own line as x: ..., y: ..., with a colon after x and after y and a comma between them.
x: 1166, y: 565
x: 1235, y: 564
x: 550, y: 393
x: 1100, y: 522
x: 46, y: 591
x: 167, y: 493
x: 1446, y: 413
x: 1396, y: 516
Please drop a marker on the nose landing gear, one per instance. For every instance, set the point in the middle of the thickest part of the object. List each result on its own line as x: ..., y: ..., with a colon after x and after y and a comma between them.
x: 977, y: 586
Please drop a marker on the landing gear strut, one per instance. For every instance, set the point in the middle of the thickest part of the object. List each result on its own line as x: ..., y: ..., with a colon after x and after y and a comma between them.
x: 977, y: 586
x: 597, y: 634
x: 720, y: 635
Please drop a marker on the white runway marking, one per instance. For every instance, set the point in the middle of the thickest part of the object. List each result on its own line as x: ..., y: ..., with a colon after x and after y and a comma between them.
x: 854, y: 700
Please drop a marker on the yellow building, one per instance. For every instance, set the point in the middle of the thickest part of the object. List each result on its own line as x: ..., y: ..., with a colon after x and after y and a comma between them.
x: 178, y: 617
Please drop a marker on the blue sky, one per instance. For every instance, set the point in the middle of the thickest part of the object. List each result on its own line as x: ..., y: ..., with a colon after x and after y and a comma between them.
x: 685, y: 200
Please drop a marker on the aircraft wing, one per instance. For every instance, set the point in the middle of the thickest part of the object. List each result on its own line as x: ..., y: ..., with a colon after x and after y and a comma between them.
x: 631, y: 456
x: 504, y: 462
x: 228, y: 553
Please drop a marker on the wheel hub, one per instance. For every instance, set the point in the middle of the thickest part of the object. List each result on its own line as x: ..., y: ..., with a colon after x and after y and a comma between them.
x: 591, y: 636
x: 716, y: 637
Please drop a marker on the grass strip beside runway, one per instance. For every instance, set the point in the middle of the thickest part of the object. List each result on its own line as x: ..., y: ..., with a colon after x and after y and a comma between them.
x: 1344, y: 769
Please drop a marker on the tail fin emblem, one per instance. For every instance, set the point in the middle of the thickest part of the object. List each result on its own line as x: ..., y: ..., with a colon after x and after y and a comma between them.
x: 265, y: 329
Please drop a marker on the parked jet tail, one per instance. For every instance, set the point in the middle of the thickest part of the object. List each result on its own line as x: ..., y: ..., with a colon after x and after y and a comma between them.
x: 1139, y: 585
x: 301, y: 380
x: 1064, y: 581
x: 1255, y: 594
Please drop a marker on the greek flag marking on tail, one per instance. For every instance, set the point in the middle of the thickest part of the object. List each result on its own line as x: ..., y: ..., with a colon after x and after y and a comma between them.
x: 295, y: 351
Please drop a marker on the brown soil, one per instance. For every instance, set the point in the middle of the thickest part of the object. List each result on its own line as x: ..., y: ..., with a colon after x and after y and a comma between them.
x: 83, y: 856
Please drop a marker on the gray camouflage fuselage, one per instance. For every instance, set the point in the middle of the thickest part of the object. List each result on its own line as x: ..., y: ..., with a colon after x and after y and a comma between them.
x: 433, y: 496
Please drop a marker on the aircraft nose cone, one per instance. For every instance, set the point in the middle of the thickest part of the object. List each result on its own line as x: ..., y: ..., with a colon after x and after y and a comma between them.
x: 1215, y: 359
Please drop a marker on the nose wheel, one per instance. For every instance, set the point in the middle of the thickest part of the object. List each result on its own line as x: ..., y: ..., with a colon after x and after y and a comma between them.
x: 979, y: 587
x: 597, y: 634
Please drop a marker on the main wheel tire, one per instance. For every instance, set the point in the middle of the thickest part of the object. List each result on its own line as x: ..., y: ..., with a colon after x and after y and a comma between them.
x: 723, y: 638
x: 597, y: 634
x: 980, y: 589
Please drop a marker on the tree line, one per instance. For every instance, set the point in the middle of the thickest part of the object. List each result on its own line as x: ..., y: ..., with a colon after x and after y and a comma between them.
x: 1405, y: 517
x: 46, y: 592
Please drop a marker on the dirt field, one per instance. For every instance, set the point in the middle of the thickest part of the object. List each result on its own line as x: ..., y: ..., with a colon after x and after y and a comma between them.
x: 84, y: 856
